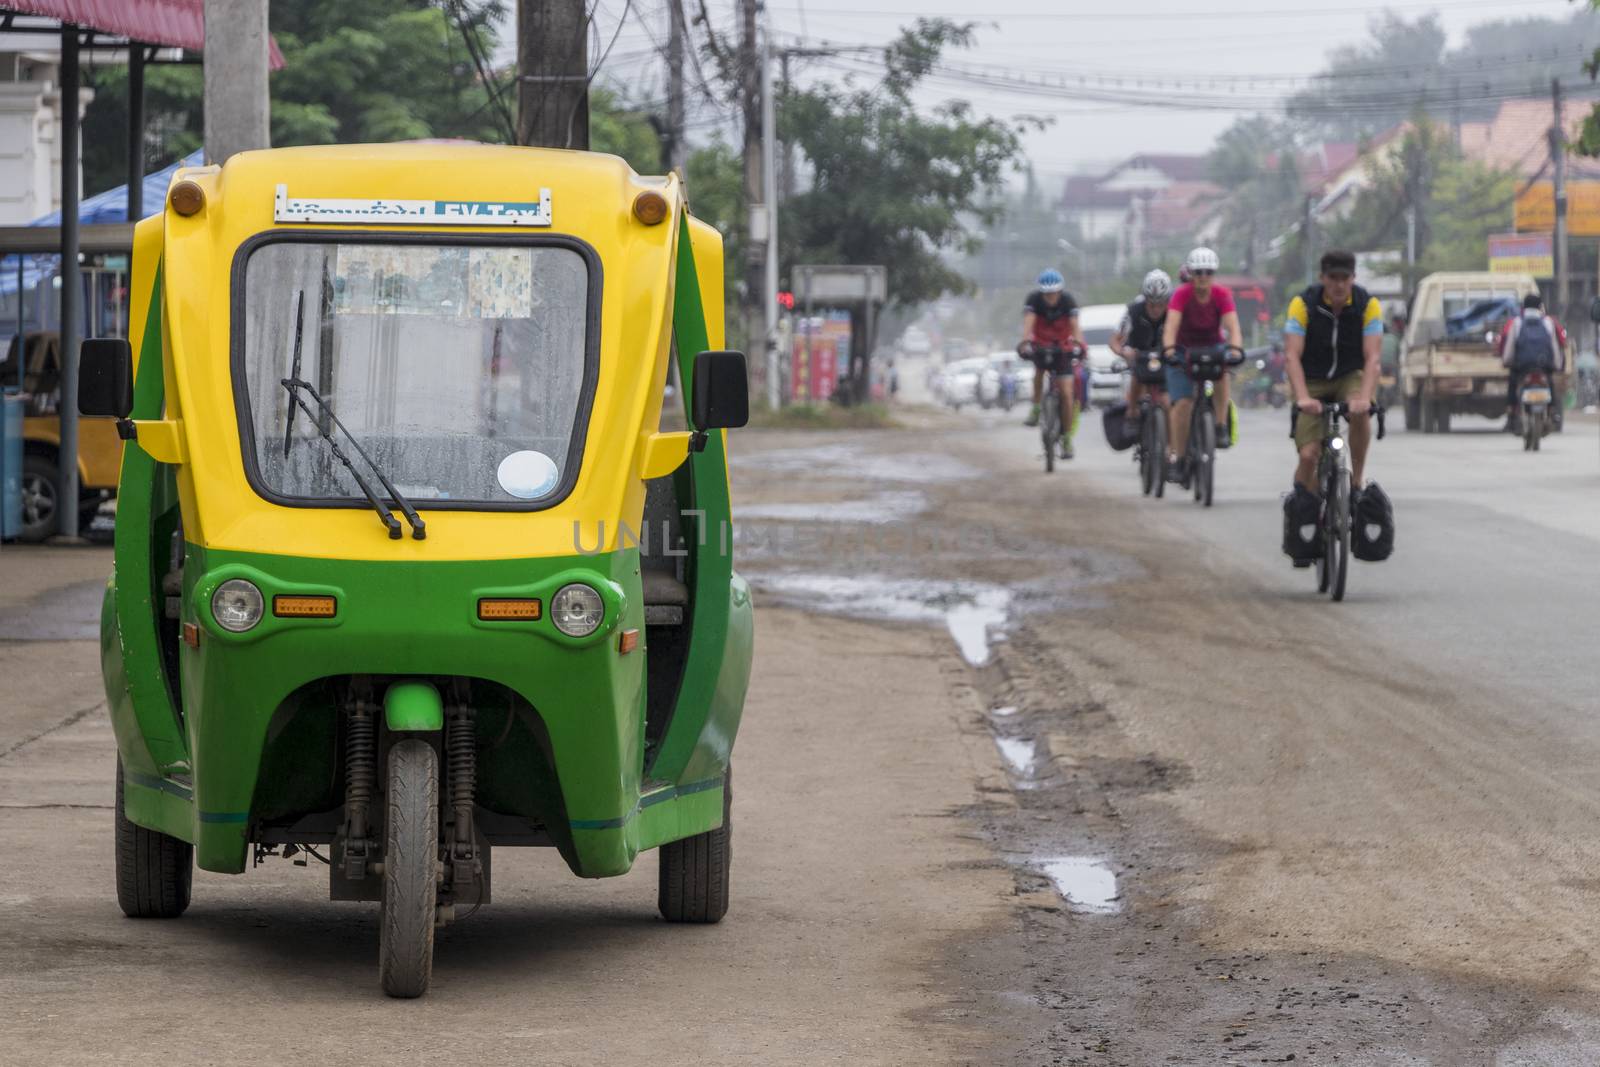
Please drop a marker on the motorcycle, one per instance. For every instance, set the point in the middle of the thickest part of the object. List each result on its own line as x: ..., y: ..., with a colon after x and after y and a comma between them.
x: 1534, y: 402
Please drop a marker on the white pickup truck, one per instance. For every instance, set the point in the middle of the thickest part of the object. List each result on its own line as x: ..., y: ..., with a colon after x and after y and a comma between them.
x: 1449, y: 361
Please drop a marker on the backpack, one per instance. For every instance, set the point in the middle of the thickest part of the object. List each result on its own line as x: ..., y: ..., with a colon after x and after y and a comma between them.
x: 1535, y: 348
x: 1120, y: 435
x: 1372, y: 538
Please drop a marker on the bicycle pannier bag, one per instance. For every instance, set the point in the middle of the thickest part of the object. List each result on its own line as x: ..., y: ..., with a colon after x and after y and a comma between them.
x: 1372, y: 539
x: 1120, y: 434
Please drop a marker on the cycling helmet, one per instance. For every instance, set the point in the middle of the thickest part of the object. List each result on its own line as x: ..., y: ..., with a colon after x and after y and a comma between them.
x: 1202, y: 259
x: 1157, y: 286
x: 1050, y: 281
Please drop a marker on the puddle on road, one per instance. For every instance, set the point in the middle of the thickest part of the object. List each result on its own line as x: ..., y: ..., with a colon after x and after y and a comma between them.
x: 883, y: 508
x: 1018, y: 752
x: 973, y: 612
x: 1087, y: 885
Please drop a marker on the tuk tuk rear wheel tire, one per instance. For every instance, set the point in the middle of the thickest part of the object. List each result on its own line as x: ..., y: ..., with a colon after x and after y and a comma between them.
x: 694, y: 871
x: 410, y: 870
x: 155, y: 871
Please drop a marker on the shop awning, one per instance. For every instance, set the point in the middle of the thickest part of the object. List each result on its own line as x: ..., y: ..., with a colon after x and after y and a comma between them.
x: 176, y: 23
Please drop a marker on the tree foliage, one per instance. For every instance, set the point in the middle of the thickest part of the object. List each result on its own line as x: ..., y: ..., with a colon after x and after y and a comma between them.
x: 892, y: 183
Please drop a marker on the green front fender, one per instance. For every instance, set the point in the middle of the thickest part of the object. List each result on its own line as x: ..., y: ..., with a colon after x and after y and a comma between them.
x: 413, y: 706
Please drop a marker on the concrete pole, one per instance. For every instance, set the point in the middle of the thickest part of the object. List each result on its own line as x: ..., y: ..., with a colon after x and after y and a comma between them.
x: 135, y: 131
x: 1558, y: 156
x: 552, y: 73
x: 236, y: 100
x: 677, y: 149
x: 67, y: 473
x: 769, y: 194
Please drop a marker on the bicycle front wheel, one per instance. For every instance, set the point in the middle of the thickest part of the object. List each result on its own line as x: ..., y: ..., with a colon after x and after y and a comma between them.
x: 1050, y: 430
x: 1206, y: 459
x: 1339, y: 532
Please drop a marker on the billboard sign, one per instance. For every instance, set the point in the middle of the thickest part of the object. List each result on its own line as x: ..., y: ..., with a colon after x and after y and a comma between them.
x: 1522, y: 253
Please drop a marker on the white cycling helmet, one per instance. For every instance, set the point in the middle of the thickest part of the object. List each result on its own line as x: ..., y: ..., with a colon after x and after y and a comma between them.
x: 1202, y: 259
x: 1157, y: 286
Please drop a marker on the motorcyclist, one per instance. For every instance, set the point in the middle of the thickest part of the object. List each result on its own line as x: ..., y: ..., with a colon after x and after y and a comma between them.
x: 1050, y: 318
x: 1140, y: 332
x: 1532, y: 341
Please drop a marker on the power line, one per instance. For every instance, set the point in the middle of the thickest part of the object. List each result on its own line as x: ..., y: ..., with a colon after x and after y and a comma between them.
x: 1308, y: 11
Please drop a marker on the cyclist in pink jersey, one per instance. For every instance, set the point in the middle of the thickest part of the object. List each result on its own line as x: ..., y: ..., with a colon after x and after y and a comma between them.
x: 1201, y: 314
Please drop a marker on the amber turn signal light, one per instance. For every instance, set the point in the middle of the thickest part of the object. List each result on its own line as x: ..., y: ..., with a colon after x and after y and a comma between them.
x: 627, y: 642
x: 304, y: 607
x: 650, y: 208
x: 507, y: 609
x: 187, y: 198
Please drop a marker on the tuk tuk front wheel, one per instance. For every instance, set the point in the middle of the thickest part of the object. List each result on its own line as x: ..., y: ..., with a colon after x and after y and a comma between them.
x: 154, y: 870
x: 410, y: 870
x: 694, y: 871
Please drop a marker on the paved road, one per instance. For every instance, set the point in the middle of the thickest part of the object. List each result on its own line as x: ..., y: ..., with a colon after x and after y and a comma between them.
x: 1034, y: 771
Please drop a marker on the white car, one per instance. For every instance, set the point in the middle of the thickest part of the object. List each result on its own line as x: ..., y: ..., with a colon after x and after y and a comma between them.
x: 997, y: 368
x: 1108, y: 374
x: 958, y: 383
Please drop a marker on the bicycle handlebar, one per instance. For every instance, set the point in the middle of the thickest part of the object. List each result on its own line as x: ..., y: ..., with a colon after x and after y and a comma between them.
x: 1339, y: 409
x: 1177, y: 355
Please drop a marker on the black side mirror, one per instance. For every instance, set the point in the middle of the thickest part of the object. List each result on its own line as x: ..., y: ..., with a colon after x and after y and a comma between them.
x: 721, y: 391
x: 105, y: 377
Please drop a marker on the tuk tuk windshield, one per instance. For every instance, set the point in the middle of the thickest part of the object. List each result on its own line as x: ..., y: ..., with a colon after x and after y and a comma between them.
x: 460, y: 369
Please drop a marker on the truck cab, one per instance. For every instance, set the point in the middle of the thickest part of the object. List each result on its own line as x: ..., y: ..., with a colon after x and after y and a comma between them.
x: 1449, y: 360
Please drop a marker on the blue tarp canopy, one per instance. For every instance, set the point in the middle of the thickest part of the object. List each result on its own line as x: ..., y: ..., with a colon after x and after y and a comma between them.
x: 112, y: 205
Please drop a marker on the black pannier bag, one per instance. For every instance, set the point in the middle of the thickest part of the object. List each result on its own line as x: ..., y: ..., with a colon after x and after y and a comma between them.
x: 1372, y: 539
x: 1148, y: 369
x: 1302, y: 540
x: 1120, y: 435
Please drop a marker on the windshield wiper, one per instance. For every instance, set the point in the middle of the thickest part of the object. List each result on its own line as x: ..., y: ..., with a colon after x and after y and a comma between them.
x: 418, y: 527
x: 294, y: 369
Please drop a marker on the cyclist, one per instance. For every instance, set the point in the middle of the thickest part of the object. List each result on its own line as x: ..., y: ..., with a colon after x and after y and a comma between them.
x: 1333, y: 346
x: 1049, y: 317
x: 1200, y: 314
x: 1140, y: 330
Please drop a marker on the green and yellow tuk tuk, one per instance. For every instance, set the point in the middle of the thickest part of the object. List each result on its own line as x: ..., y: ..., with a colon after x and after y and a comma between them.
x: 406, y: 567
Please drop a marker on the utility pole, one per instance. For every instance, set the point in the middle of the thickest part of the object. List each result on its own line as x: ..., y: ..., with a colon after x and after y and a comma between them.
x: 1308, y: 230
x: 677, y: 150
x: 236, y: 112
x: 788, y: 147
x: 1558, y: 157
x: 135, y: 131
x: 769, y: 197
x: 1411, y: 251
x: 71, y: 113
x: 552, y: 73
x: 749, y: 70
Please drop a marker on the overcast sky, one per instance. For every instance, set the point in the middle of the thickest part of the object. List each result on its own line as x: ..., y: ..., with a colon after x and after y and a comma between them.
x: 1169, y: 39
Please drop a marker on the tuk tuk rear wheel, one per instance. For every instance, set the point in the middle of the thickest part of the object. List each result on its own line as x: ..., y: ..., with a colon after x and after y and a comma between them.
x: 410, y: 870
x: 694, y: 871
x: 154, y: 870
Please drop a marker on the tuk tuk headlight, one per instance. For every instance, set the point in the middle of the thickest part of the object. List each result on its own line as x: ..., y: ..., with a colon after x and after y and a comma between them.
x: 577, y: 610
x: 237, y: 605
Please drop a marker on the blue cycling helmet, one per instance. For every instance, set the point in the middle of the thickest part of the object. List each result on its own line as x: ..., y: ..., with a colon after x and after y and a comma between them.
x: 1050, y: 281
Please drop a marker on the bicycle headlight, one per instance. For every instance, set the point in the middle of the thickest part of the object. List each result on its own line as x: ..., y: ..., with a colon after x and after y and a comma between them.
x: 237, y: 605
x: 577, y: 610
x: 1336, y: 444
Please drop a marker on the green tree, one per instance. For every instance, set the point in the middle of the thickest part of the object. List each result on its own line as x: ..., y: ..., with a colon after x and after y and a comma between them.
x: 354, y: 71
x: 1254, y: 161
x: 892, y: 183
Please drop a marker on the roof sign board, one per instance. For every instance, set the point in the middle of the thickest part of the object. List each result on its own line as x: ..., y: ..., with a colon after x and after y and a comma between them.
x: 394, y: 212
x: 1522, y: 253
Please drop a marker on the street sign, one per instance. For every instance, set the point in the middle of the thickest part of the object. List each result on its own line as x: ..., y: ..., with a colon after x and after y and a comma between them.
x: 841, y: 284
x: 1535, y: 210
x: 1522, y: 253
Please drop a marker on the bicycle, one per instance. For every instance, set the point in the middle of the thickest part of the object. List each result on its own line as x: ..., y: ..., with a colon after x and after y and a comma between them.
x: 1151, y: 451
x: 1334, y: 519
x: 1203, y: 366
x: 1056, y: 362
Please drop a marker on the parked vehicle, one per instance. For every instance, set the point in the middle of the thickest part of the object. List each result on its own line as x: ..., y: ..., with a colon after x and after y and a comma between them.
x: 998, y: 381
x: 550, y: 650
x: 957, y: 384
x: 1108, y: 372
x: 1449, y: 363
